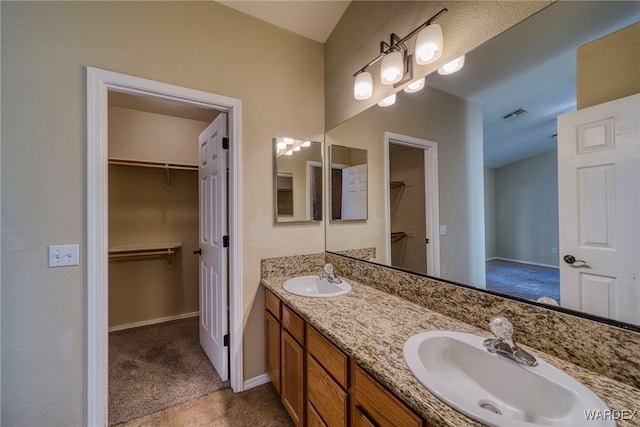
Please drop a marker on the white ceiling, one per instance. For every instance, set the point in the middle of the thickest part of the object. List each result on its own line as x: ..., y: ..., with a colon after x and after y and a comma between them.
x: 310, y: 18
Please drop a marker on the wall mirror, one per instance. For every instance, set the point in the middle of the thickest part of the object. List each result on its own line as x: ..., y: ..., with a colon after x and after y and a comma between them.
x: 496, y: 222
x: 348, y: 183
x: 297, y: 180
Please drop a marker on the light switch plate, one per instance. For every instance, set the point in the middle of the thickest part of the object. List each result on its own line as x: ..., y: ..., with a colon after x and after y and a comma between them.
x: 443, y: 230
x: 63, y: 255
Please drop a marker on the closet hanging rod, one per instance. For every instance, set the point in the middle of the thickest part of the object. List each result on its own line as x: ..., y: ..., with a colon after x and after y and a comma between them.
x: 141, y: 254
x: 149, y: 164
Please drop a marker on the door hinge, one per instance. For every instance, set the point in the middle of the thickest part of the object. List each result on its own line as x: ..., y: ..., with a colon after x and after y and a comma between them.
x: 225, y: 340
x: 225, y: 142
x: 225, y: 241
x: 426, y: 241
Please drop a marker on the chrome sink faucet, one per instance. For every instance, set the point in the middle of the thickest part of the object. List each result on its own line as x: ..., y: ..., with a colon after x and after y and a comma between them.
x: 331, y: 274
x: 503, y: 345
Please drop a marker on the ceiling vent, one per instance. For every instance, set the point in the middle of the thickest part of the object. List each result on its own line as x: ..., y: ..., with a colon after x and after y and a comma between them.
x: 517, y: 113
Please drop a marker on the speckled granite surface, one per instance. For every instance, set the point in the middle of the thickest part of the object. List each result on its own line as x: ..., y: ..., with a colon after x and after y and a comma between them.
x: 598, y: 347
x: 371, y: 326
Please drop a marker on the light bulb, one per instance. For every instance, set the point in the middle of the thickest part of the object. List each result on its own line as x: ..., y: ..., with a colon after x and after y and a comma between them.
x: 389, y: 100
x: 452, y: 67
x: 363, y: 86
x: 415, y: 86
x: 429, y: 44
x: 392, y: 68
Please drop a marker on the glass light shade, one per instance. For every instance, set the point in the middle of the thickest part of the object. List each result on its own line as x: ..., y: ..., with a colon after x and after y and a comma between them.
x: 288, y: 141
x: 452, y: 67
x: 389, y: 100
x: 306, y: 144
x: 288, y: 153
x: 363, y: 86
x: 392, y: 68
x: 429, y: 44
x: 296, y: 148
x: 280, y: 144
x: 416, y: 86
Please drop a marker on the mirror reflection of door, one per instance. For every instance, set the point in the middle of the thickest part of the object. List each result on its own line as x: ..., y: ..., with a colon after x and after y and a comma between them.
x: 349, y: 183
x: 285, y: 194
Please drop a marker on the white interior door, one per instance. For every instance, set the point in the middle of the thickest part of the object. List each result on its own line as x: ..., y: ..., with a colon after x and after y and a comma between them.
x: 354, y: 192
x: 213, y: 259
x: 599, y: 209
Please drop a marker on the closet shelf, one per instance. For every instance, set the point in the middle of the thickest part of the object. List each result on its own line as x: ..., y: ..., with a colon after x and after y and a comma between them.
x: 150, y: 164
x: 143, y: 250
x: 398, y: 235
x: 396, y: 184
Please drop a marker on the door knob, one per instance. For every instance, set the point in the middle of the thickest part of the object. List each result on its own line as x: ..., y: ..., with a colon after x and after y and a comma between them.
x: 198, y: 252
x: 570, y: 259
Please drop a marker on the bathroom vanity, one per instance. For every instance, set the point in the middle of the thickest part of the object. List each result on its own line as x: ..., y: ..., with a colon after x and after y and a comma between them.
x: 339, y: 361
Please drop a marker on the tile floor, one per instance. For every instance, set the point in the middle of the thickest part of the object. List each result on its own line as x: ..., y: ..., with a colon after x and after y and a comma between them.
x: 258, y: 407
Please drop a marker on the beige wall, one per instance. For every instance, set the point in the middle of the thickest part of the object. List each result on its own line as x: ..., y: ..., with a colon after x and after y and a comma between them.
x: 460, y: 159
x: 489, y: 213
x: 356, y: 39
x: 526, y: 209
x: 142, y: 211
x: 201, y: 45
x: 609, y: 68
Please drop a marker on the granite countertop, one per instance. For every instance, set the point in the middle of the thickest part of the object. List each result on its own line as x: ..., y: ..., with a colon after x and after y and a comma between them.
x: 371, y: 326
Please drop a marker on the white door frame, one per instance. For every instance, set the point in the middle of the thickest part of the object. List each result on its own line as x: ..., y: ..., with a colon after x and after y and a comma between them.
x: 431, y: 199
x: 99, y: 82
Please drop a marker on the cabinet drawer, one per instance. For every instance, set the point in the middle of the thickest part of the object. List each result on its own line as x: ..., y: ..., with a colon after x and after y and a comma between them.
x: 326, y: 396
x: 328, y: 355
x: 380, y: 406
x: 293, y: 323
x: 272, y: 303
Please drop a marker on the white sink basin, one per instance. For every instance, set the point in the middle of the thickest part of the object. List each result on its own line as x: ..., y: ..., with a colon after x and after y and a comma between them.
x: 313, y: 286
x: 494, y: 390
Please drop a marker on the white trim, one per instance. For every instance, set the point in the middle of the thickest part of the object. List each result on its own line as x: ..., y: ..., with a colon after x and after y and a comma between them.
x: 523, y: 262
x: 432, y: 210
x: 257, y: 381
x: 99, y: 82
x: 153, y: 321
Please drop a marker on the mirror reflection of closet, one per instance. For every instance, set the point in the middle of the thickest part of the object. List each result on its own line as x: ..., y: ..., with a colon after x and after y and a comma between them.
x: 298, y: 180
x: 349, y: 183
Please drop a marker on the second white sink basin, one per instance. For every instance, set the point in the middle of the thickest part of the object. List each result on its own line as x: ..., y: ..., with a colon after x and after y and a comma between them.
x: 496, y: 391
x: 313, y: 286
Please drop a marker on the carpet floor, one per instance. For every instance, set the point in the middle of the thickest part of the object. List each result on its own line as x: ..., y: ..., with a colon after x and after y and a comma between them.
x: 523, y: 280
x: 154, y: 367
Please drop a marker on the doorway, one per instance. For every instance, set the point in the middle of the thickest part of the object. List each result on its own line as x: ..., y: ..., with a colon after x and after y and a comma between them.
x: 412, y: 207
x: 99, y: 83
x: 156, y: 357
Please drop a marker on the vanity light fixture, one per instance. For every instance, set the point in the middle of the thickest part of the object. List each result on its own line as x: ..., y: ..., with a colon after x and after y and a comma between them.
x: 397, y: 65
x: 288, y: 146
x: 452, y: 67
x: 416, y: 86
x: 281, y: 144
x: 306, y: 144
x: 389, y: 100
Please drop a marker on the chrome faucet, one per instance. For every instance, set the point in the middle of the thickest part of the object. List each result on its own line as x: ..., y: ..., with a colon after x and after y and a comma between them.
x: 331, y: 274
x: 503, y: 345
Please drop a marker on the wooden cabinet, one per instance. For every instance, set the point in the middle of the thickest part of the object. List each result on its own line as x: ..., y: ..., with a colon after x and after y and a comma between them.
x: 319, y: 385
x: 272, y: 326
x: 373, y: 404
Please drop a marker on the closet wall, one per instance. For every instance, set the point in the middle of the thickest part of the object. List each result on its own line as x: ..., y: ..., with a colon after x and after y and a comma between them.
x: 146, y: 207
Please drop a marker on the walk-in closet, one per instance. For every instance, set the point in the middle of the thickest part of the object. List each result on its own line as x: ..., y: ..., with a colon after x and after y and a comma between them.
x: 155, y: 359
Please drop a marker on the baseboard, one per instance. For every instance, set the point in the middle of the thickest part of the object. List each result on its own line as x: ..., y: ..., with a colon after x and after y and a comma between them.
x: 525, y: 262
x: 256, y: 381
x: 154, y: 321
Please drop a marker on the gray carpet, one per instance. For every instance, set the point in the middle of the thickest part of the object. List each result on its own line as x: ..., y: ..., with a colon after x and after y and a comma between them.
x: 523, y: 280
x: 154, y: 367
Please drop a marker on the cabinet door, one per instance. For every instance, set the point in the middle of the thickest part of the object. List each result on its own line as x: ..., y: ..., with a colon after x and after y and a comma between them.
x: 325, y: 395
x: 313, y: 418
x: 382, y: 408
x: 361, y: 420
x: 292, y: 380
x: 273, y: 349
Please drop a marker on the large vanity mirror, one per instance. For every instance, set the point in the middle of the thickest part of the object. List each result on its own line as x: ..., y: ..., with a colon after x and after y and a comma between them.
x: 348, y: 185
x: 484, y: 212
x: 297, y: 180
